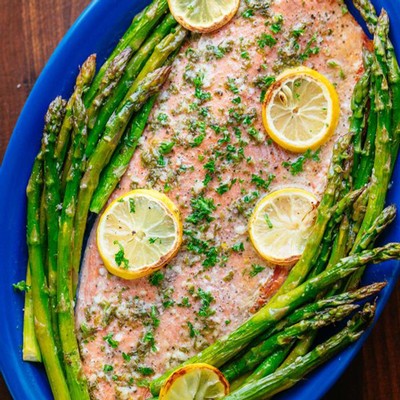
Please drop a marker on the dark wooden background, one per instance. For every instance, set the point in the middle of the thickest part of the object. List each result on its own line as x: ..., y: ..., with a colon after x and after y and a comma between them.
x: 29, y: 32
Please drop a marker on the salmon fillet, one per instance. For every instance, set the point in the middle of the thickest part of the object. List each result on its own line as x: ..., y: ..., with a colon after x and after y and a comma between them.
x: 132, y: 331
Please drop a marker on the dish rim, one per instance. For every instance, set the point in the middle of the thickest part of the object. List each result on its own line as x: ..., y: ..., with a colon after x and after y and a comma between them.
x: 25, y: 380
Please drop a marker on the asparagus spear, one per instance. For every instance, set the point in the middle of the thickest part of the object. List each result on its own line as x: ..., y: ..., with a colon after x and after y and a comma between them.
x: 82, y: 83
x: 310, y: 310
x: 382, y: 164
x: 268, y: 366
x: 336, y: 217
x: 161, y: 52
x: 304, y: 265
x: 30, y: 345
x: 369, y: 15
x: 133, y: 68
x: 72, y: 362
x: 108, y: 83
x: 366, y: 164
x: 53, y: 121
x: 289, y: 376
x: 118, y: 165
x: 227, y: 347
x: 394, y: 80
x: 357, y: 119
x: 104, y: 150
x: 40, y: 295
x: 252, y: 358
x: 133, y: 38
x: 383, y: 153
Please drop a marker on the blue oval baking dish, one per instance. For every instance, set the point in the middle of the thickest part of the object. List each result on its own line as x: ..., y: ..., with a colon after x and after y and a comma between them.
x: 27, y: 381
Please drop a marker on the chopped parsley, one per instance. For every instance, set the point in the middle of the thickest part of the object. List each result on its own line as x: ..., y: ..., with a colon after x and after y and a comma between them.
x: 192, y: 332
x: 162, y: 117
x: 266, y: 40
x: 109, y: 339
x: 126, y: 357
x: 166, y: 147
x: 256, y: 269
x: 148, y: 338
x: 132, y: 206
x: 185, y: 302
x: 145, y: 371
x: 248, y: 13
x: 277, y: 22
x: 202, y: 209
x: 199, y: 93
x: 238, y: 247
x: 260, y: 182
x: 108, y: 368
x: 206, y: 299
x: 297, y: 166
x: 120, y: 256
x: 156, y: 278
x: 223, y: 188
x: 21, y: 286
x: 268, y: 221
x: 310, y: 50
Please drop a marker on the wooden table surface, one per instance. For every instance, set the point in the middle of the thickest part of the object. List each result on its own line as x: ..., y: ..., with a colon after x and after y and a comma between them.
x: 29, y: 31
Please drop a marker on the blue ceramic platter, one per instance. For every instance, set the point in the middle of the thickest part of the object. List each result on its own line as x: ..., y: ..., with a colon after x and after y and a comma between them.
x: 97, y: 31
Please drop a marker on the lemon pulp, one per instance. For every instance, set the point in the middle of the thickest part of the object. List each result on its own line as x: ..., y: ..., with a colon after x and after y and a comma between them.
x: 195, y: 382
x: 139, y: 233
x: 301, y: 109
x: 281, y: 224
x: 203, y: 15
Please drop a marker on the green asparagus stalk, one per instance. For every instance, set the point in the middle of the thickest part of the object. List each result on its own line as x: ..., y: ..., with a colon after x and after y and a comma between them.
x: 364, y: 172
x: 30, y: 345
x: 289, y: 376
x: 357, y: 119
x: 304, y: 265
x: 53, y: 121
x: 108, y: 83
x: 368, y: 13
x: 394, y: 80
x: 161, y: 52
x: 82, y: 83
x: 227, y: 347
x: 382, y: 164
x: 337, y: 216
x: 104, y: 150
x: 310, y: 310
x: 133, y: 38
x: 301, y: 348
x: 383, y: 153
x: 72, y: 362
x: 40, y: 295
x: 118, y: 165
x: 252, y: 358
x: 269, y: 365
x: 133, y: 68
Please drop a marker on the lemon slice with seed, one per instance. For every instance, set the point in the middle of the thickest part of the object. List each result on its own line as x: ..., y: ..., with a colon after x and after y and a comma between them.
x: 301, y: 109
x: 139, y: 233
x: 281, y: 224
x: 203, y: 15
x: 195, y: 382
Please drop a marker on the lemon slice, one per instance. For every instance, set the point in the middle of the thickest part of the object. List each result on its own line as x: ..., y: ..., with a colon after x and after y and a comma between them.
x: 301, y: 109
x: 195, y: 381
x: 203, y: 15
x: 139, y: 233
x: 281, y: 224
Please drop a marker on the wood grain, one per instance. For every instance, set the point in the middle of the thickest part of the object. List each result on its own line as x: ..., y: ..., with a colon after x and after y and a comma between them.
x: 30, y: 30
